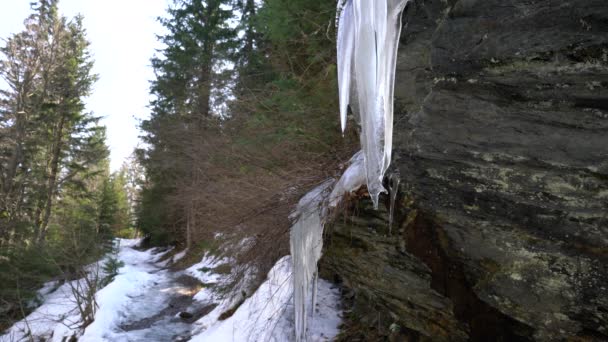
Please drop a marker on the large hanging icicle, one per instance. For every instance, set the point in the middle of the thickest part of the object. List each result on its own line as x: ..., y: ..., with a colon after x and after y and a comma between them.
x: 368, y: 37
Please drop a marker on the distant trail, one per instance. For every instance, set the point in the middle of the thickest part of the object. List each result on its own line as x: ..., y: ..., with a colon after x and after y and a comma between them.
x: 152, y: 314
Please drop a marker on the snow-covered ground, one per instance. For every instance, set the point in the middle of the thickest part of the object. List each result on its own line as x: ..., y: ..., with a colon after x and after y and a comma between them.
x: 145, y: 299
x: 137, y: 305
x: 268, y: 314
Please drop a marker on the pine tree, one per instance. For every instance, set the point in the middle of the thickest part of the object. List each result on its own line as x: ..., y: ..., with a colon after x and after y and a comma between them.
x: 199, y: 41
x: 190, y: 88
x: 49, y: 139
x: 253, y: 70
x: 20, y: 67
x: 59, y: 205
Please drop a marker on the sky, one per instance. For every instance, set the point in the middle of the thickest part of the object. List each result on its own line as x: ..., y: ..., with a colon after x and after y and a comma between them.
x: 123, y: 39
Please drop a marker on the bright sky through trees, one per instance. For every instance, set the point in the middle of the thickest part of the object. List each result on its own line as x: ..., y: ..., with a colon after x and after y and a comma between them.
x: 123, y: 37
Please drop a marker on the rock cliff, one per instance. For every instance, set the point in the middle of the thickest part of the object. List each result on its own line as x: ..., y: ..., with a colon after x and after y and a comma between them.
x: 501, y: 141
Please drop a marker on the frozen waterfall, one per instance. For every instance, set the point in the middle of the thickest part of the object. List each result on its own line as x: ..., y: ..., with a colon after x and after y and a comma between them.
x: 368, y: 38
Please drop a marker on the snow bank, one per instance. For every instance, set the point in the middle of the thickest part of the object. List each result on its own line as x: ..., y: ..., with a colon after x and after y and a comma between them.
x: 267, y: 314
x: 50, y: 321
x: 57, y: 318
x: 202, y: 272
x: 179, y: 256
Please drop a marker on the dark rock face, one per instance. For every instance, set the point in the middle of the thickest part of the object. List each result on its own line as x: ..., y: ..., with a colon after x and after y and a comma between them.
x: 385, y: 285
x: 501, y: 138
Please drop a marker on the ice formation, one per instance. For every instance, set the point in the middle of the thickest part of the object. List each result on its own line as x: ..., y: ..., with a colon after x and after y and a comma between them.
x: 307, y: 237
x: 352, y: 179
x: 393, y: 189
x: 368, y: 37
x: 306, y: 244
x: 265, y: 316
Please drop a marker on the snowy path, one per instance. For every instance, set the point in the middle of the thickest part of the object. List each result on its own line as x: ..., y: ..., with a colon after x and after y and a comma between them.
x: 145, y: 300
x: 141, y: 304
x: 151, y: 311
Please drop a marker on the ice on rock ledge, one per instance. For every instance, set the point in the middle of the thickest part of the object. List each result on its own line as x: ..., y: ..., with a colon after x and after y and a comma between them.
x: 352, y: 179
x: 368, y: 38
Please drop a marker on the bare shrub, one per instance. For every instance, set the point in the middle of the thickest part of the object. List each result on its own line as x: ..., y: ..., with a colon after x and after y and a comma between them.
x: 83, y: 295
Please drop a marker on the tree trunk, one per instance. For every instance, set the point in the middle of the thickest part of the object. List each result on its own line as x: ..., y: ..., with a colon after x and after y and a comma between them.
x: 51, y: 182
x: 204, y: 88
x: 249, y: 11
x: 189, y: 225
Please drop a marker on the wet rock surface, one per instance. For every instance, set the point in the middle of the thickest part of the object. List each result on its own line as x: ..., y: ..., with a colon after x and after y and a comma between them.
x: 501, y: 139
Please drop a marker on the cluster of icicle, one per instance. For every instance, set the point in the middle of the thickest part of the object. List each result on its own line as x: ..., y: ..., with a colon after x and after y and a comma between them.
x: 368, y: 37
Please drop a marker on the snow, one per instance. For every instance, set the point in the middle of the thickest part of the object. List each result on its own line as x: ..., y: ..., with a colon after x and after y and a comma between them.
x: 48, y: 288
x: 47, y: 320
x: 135, y: 306
x: 57, y: 318
x: 132, y: 281
x: 266, y: 315
x: 368, y: 37
x: 179, y: 256
x: 201, y: 271
x: 143, y: 313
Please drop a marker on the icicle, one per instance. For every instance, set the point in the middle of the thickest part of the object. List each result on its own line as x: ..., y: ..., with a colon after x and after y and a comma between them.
x: 306, y: 241
x: 315, y: 281
x: 306, y: 237
x: 391, y: 48
x: 393, y: 188
x: 346, y: 36
x: 368, y: 37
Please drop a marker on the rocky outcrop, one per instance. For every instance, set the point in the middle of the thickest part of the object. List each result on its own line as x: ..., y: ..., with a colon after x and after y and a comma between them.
x: 501, y: 140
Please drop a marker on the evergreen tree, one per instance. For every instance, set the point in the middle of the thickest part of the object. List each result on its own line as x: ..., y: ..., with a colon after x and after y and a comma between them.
x: 59, y: 205
x: 271, y: 65
x: 190, y: 90
x: 198, y: 44
x: 49, y: 138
